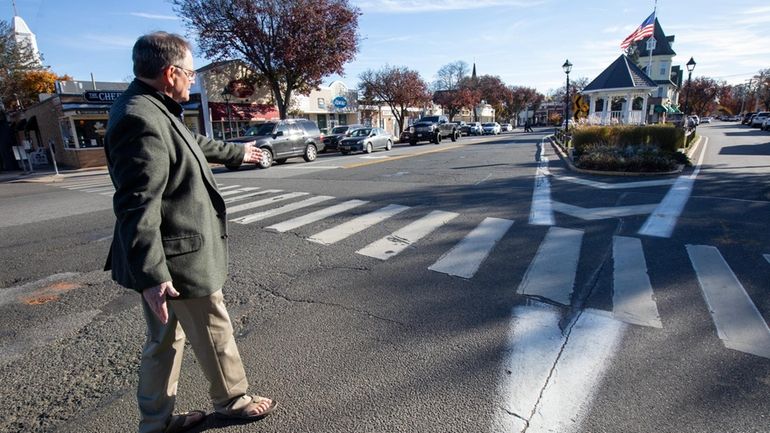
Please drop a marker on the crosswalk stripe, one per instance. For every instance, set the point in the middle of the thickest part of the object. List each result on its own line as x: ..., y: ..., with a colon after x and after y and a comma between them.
x: 551, y: 274
x: 399, y: 240
x: 88, y: 185
x: 225, y: 188
x: 238, y: 191
x: 246, y: 219
x: 464, y: 259
x: 342, y: 231
x: 100, y: 189
x: 632, y: 299
x: 739, y: 324
x: 264, y: 202
x: 107, y: 193
x: 316, y: 216
x: 76, y: 182
x: 252, y: 194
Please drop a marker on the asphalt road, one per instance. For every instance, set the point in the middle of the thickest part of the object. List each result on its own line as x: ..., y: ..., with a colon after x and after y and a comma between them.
x: 487, y: 321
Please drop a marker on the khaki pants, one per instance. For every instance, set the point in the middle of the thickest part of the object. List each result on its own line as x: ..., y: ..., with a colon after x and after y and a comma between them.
x: 206, y: 323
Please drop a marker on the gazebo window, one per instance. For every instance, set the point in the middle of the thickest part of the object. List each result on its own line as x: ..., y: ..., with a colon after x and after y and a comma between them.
x: 638, y: 103
x: 599, y: 105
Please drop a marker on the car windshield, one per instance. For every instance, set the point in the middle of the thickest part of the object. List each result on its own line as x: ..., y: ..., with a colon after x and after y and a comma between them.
x: 429, y: 119
x: 489, y: 124
x: 260, y: 130
x: 361, y: 132
x: 340, y: 130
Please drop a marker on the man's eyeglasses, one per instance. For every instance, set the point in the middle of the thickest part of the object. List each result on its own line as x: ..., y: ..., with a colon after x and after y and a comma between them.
x: 190, y: 73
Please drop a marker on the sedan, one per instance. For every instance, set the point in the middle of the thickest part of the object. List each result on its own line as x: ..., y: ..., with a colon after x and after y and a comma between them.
x: 506, y: 127
x: 366, y: 140
x: 705, y: 120
x: 491, y: 128
x: 475, y: 128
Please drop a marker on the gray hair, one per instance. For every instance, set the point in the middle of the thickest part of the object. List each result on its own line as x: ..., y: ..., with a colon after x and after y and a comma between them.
x: 154, y: 51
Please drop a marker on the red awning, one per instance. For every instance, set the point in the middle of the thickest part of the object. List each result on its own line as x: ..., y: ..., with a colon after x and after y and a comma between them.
x: 243, y: 111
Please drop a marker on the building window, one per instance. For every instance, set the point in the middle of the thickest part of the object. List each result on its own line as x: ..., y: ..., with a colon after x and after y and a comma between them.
x: 67, y: 137
x: 90, y: 133
x: 663, y: 69
x: 321, y: 103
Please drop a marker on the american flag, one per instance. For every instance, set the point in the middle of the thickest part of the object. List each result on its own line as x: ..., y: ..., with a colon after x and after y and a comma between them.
x: 646, y: 29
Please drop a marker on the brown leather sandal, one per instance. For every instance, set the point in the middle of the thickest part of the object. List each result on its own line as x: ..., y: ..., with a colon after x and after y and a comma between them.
x: 246, y: 413
x: 185, y: 421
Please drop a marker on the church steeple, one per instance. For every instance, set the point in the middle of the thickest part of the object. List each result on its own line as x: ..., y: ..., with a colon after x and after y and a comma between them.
x: 23, y: 35
x: 473, y: 75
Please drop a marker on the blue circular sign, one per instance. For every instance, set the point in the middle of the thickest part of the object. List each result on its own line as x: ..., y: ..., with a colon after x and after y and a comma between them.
x: 340, y: 102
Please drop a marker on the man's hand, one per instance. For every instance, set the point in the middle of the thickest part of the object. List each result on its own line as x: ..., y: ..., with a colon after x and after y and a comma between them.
x: 252, y: 153
x: 156, y: 299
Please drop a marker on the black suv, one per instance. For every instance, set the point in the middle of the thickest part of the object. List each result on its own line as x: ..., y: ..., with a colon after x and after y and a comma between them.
x: 332, y: 141
x: 283, y: 139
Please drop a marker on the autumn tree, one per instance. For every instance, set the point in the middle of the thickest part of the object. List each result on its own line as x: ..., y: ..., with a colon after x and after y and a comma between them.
x: 16, y: 59
x: 397, y: 86
x: 763, y: 88
x: 291, y: 45
x: 701, y: 95
x: 493, y: 91
x: 521, y: 98
x: 448, y: 90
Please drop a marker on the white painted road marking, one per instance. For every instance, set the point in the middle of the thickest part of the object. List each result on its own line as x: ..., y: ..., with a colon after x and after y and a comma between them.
x: 550, y: 377
x: 237, y: 191
x: 100, y: 189
x: 541, y: 212
x: 342, y: 231
x: 252, y: 194
x: 632, y: 299
x: 739, y: 324
x: 464, y: 259
x: 264, y: 202
x: 225, y: 188
x: 399, y: 240
x: 663, y: 219
x: 619, y: 185
x: 551, y: 274
x: 246, y: 219
x: 316, y: 216
x: 599, y: 213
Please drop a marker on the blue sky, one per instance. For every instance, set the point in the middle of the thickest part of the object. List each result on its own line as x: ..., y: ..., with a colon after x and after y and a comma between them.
x: 523, y: 42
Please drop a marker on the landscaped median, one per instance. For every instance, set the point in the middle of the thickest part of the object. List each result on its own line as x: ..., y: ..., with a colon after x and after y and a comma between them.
x: 626, y: 149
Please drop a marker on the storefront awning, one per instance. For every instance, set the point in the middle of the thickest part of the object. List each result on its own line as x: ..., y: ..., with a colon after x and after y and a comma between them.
x: 86, y: 108
x: 252, y: 112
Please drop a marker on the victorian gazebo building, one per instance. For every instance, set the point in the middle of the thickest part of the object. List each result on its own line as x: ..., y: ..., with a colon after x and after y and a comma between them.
x: 619, y: 94
x: 636, y: 89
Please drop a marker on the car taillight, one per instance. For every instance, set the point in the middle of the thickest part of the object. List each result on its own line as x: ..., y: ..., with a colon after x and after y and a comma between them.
x: 322, y: 137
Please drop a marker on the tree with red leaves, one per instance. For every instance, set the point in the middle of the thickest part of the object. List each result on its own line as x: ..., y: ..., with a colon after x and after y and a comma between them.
x: 522, y: 98
x: 494, y: 92
x: 292, y: 45
x: 397, y: 86
x: 702, y: 94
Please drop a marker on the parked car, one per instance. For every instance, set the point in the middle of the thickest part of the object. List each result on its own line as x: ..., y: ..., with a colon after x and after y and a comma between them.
x: 760, y: 117
x: 747, y: 117
x: 766, y: 124
x: 462, y: 128
x: 332, y: 141
x: 736, y: 118
x: 283, y: 139
x: 705, y: 119
x: 492, y: 128
x: 433, y: 129
x: 366, y: 140
x: 506, y: 127
x: 475, y: 128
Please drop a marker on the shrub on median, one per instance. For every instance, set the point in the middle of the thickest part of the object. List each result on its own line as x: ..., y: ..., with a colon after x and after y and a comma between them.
x: 629, y: 148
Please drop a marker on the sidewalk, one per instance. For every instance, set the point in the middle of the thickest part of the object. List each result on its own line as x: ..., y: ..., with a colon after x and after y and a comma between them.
x: 47, y: 175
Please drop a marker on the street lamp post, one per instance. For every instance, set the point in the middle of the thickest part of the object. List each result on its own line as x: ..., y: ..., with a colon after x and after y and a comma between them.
x: 690, y: 67
x: 567, y: 66
x: 226, y: 95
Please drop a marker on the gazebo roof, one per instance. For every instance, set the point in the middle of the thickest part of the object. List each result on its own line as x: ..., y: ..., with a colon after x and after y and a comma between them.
x: 662, y: 47
x: 621, y: 74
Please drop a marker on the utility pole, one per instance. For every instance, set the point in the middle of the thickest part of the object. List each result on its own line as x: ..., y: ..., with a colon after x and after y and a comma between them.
x: 746, y: 89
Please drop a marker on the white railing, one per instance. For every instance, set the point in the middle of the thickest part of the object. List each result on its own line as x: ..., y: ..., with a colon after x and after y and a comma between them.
x: 616, y: 118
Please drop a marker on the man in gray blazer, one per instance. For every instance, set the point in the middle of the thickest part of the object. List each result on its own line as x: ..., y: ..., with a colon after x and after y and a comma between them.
x: 170, y: 239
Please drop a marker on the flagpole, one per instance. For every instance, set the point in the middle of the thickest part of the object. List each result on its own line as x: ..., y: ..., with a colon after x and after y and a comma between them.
x: 654, y: 17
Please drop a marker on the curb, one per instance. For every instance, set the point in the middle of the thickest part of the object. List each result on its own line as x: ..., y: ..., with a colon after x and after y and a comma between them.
x: 50, y: 177
x: 563, y: 155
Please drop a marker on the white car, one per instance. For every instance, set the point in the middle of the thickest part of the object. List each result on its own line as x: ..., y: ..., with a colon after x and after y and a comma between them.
x: 506, y: 127
x: 759, y: 118
x: 766, y: 124
x: 705, y: 120
x: 492, y: 128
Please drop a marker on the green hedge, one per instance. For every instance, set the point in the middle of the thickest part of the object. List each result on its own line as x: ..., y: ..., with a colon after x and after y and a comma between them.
x: 667, y: 138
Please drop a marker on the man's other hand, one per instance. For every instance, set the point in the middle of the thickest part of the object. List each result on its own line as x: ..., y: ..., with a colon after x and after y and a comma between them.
x: 156, y: 299
x: 252, y: 153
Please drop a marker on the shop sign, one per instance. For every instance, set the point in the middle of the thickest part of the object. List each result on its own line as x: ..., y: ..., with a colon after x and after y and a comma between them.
x: 104, y: 96
x: 340, y: 102
x: 240, y: 88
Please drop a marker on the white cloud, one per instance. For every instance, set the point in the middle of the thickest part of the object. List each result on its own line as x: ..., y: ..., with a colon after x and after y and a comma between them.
x: 154, y: 16
x: 414, y: 6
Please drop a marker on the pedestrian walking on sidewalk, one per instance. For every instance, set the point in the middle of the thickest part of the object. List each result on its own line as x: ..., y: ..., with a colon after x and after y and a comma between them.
x: 170, y: 238
x: 527, y: 126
